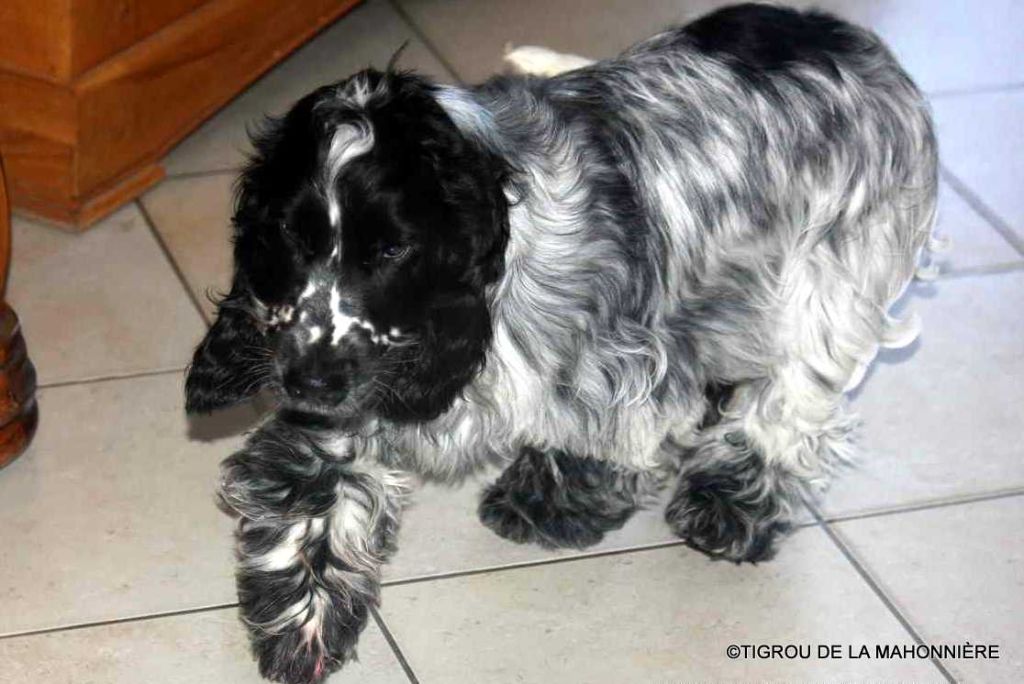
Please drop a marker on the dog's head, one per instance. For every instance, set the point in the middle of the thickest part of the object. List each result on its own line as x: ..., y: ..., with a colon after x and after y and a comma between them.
x: 367, y: 229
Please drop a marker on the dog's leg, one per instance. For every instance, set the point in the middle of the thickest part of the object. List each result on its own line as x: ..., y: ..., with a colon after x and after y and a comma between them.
x: 312, y: 536
x: 787, y: 431
x: 559, y: 500
x: 738, y: 489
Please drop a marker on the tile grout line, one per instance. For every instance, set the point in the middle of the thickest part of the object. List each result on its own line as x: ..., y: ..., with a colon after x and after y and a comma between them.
x: 393, y: 643
x: 983, y: 210
x: 850, y: 556
x: 926, y: 506
x: 639, y: 548
x: 982, y: 270
x: 111, y: 378
x: 384, y: 584
x: 980, y: 90
x: 118, y: 621
x: 172, y: 262
x: 185, y: 175
x: 427, y: 42
x: 456, y: 574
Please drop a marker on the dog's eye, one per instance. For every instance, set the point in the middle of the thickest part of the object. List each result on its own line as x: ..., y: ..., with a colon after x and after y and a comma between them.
x: 392, y: 252
x: 287, y: 234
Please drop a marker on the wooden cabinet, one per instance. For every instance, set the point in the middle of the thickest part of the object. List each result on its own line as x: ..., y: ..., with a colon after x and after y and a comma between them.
x: 94, y: 92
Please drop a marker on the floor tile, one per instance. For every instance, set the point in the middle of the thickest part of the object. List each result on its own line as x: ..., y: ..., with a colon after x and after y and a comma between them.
x: 193, y: 217
x: 186, y: 649
x: 942, y: 418
x: 101, y: 303
x: 111, y: 512
x: 915, y: 29
x: 980, y: 141
x: 659, y: 615
x: 368, y: 35
x: 957, y: 573
x: 471, y: 34
x: 441, y: 534
x: 975, y: 244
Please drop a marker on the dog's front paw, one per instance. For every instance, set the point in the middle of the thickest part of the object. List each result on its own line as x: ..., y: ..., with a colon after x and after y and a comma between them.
x: 304, y: 641
x: 303, y: 605
x: 290, y: 658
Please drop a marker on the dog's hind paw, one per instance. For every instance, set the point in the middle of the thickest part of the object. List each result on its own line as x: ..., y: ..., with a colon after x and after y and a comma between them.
x: 525, y: 522
x: 709, y: 522
x: 731, y: 511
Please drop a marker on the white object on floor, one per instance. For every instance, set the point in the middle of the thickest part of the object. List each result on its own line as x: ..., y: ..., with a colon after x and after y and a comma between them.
x: 540, y: 61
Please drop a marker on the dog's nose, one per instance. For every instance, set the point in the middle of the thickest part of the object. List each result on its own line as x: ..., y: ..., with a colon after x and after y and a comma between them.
x: 329, y: 389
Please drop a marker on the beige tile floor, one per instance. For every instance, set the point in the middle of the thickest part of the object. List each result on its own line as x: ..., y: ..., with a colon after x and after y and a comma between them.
x: 115, y: 565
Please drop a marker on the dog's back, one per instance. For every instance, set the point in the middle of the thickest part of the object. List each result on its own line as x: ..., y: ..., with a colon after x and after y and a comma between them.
x: 748, y: 152
x: 746, y: 191
x: 760, y: 107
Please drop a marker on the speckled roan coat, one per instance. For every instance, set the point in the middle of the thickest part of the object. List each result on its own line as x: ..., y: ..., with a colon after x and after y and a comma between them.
x: 667, y: 265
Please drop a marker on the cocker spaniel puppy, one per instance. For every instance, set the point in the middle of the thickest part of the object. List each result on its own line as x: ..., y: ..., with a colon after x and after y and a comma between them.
x: 669, y: 265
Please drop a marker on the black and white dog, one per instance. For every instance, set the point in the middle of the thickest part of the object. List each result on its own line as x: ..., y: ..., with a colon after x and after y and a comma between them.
x: 668, y: 264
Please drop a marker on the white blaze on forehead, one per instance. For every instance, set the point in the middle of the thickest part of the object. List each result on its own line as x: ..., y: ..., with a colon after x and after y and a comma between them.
x: 341, y: 322
x: 348, y: 142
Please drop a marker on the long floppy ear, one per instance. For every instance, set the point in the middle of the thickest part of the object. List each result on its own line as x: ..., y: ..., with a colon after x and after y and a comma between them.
x: 451, y: 351
x: 229, y: 364
x: 474, y: 178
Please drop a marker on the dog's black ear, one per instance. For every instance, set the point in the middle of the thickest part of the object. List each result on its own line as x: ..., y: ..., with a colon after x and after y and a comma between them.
x: 228, y: 365
x: 452, y: 350
x: 473, y: 182
x: 491, y: 240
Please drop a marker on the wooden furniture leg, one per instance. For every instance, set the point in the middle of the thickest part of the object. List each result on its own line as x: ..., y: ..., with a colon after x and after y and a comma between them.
x: 19, y: 413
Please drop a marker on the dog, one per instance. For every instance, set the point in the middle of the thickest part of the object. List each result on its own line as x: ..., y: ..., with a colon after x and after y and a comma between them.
x: 665, y: 268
